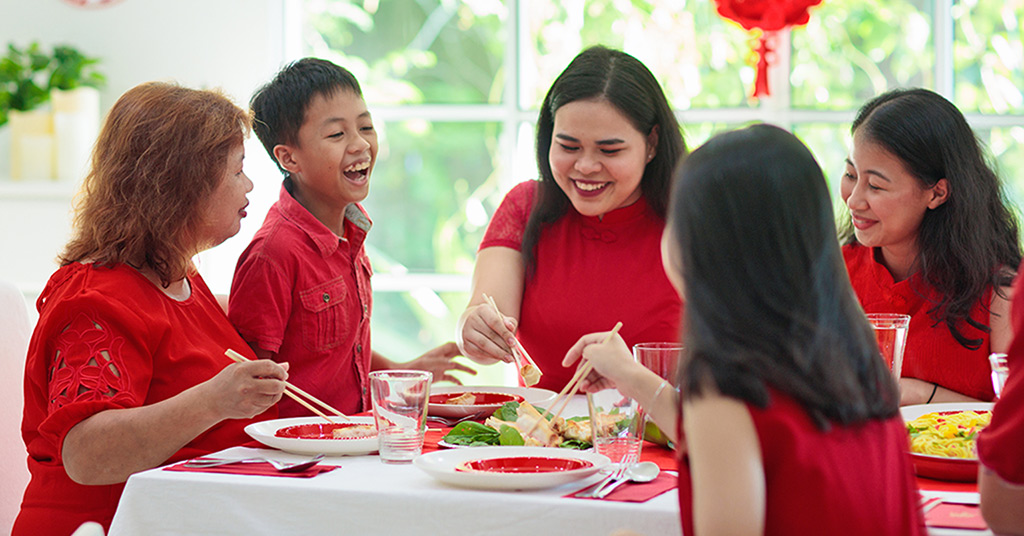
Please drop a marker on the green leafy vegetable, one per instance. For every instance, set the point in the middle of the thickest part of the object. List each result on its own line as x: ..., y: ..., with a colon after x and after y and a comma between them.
x: 507, y: 412
x: 576, y: 444
x: 509, y: 436
x: 472, y: 434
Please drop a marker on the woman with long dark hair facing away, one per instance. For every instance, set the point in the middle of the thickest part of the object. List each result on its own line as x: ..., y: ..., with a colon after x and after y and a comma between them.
x: 790, y: 418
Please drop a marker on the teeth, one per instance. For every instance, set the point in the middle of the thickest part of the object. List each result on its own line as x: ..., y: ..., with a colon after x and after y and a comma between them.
x: 359, y: 166
x: 589, y: 187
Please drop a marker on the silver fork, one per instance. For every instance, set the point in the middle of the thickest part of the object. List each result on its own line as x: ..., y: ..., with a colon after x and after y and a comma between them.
x: 619, y: 473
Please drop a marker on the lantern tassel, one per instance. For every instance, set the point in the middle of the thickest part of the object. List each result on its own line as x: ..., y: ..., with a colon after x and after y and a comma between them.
x: 761, y: 81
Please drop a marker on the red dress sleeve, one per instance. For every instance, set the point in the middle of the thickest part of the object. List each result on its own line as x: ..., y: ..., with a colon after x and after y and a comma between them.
x: 509, y: 221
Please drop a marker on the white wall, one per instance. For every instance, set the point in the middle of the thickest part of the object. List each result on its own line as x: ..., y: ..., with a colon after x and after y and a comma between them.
x: 235, y: 45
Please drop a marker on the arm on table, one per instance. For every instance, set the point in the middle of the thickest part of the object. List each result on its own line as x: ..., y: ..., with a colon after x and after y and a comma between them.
x: 108, y: 447
x: 482, y: 334
x: 1000, y: 503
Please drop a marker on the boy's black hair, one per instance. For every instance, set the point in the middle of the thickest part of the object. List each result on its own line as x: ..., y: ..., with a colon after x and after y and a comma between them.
x: 279, y: 107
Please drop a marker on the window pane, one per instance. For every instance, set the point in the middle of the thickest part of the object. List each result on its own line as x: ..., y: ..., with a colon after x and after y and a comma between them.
x: 412, y: 51
x: 1006, y: 147
x: 406, y: 324
x: 829, y: 143
x: 700, y: 58
x: 988, y: 56
x: 851, y: 51
x: 426, y: 195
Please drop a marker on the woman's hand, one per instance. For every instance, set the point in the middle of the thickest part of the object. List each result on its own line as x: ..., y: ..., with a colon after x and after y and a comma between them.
x: 612, y: 361
x: 485, y: 336
x: 244, y: 390
x: 440, y: 362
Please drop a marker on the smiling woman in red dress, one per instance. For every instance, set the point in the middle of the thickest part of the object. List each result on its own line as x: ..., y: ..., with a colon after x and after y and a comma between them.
x: 126, y: 368
x: 928, y: 233
x: 790, y: 420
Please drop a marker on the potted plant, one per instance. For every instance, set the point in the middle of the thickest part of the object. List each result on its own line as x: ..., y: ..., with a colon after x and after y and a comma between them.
x: 47, y: 144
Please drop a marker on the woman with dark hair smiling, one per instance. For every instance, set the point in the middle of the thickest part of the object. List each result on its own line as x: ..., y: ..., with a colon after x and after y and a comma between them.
x: 126, y: 368
x: 929, y: 233
x: 791, y: 420
x: 577, y: 250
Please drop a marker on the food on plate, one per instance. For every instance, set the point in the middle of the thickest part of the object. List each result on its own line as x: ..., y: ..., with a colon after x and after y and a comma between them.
x: 474, y: 398
x: 509, y: 424
x: 522, y: 464
x: 327, y: 430
x: 465, y: 399
x: 949, y: 434
x: 530, y: 373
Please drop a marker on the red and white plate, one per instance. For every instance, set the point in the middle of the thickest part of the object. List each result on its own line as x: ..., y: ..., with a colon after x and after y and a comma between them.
x: 510, y: 468
x: 942, y: 467
x: 488, y: 399
x: 312, y: 435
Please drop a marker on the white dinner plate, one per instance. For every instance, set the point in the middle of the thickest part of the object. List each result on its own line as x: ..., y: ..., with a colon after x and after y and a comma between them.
x: 442, y: 465
x: 941, y: 467
x: 536, y: 397
x: 265, y: 432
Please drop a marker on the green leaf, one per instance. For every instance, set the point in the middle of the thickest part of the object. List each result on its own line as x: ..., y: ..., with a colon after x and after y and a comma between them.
x: 473, y: 434
x: 576, y: 444
x: 509, y: 436
x: 507, y: 412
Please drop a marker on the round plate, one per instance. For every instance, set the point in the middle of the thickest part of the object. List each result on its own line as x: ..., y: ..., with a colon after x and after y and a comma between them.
x: 442, y: 465
x: 265, y: 432
x: 532, y: 395
x: 941, y: 467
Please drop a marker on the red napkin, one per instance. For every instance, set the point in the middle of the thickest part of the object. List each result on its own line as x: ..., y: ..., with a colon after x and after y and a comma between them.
x: 637, y: 492
x: 955, y: 516
x: 252, y: 468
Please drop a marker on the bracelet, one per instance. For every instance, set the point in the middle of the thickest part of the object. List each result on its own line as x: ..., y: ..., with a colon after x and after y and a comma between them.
x: 657, y: 392
x: 935, y: 387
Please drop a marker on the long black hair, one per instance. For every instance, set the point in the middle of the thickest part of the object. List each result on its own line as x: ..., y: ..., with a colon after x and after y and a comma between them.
x: 969, y: 243
x: 768, y: 299
x: 627, y: 84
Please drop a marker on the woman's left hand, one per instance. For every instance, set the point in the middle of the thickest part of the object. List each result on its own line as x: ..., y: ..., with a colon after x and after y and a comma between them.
x: 612, y: 361
x: 440, y: 362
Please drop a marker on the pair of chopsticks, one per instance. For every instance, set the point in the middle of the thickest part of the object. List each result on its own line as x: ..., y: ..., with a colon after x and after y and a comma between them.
x: 291, y: 391
x: 518, y: 351
x: 574, y: 384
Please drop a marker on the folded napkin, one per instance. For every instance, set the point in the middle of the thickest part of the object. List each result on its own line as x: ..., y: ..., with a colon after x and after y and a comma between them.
x: 955, y: 516
x: 251, y: 468
x: 637, y: 492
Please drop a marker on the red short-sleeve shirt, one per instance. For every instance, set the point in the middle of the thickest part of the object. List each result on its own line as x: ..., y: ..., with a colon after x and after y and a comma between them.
x: 303, y: 293
x: 1001, y: 444
x: 108, y: 338
x: 931, y: 354
x: 590, y: 274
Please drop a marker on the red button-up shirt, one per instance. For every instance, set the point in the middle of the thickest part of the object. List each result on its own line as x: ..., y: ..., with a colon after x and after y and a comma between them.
x: 303, y: 293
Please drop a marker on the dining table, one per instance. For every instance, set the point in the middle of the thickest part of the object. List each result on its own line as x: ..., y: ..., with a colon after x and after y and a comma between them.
x: 365, y: 496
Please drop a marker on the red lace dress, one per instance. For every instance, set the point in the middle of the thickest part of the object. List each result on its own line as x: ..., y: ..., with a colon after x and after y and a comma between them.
x: 846, y: 481
x: 590, y: 274
x: 108, y: 338
x: 931, y: 354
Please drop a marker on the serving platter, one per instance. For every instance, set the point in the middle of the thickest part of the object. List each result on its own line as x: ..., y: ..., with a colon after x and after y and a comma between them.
x: 437, y: 407
x: 311, y: 435
x: 942, y: 467
x: 510, y: 468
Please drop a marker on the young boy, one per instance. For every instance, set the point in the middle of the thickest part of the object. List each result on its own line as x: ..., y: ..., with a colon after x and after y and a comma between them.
x: 301, y: 291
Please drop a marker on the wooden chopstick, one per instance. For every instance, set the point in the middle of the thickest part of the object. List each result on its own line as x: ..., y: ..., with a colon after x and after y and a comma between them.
x: 518, y: 347
x: 288, y: 388
x: 574, y: 383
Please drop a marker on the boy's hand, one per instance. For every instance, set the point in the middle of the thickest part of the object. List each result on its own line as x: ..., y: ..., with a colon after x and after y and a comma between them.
x: 440, y: 362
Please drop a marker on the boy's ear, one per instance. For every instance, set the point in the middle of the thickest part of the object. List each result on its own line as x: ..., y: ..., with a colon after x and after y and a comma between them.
x: 286, y: 158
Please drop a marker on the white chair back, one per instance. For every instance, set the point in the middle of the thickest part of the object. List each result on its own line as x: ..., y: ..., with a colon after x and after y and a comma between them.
x: 14, y: 335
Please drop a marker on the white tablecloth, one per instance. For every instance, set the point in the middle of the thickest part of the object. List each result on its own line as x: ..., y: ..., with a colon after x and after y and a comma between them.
x: 366, y: 496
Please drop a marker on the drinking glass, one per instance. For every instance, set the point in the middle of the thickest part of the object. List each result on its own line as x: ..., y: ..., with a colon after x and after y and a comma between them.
x: 1000, y: 371
x: 400, y: 411
x: 617, y: 425
x: 660, y: 357
x: 891, y: 332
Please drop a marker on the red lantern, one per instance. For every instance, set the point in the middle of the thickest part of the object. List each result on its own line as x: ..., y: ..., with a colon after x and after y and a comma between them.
x: 769, y: 16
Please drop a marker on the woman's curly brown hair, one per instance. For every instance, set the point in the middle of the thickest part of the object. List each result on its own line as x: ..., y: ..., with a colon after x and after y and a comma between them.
x: 162, y: 151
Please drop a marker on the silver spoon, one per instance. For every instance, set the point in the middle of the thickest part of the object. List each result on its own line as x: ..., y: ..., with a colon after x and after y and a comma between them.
x: 284, y: 467
x: 641, y: 472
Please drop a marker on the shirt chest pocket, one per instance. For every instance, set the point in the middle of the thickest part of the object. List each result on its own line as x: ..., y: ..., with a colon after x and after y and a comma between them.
x: 326, y: 321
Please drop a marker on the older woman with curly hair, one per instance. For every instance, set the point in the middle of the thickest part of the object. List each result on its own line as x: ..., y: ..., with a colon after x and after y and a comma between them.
x: 126, y: 368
